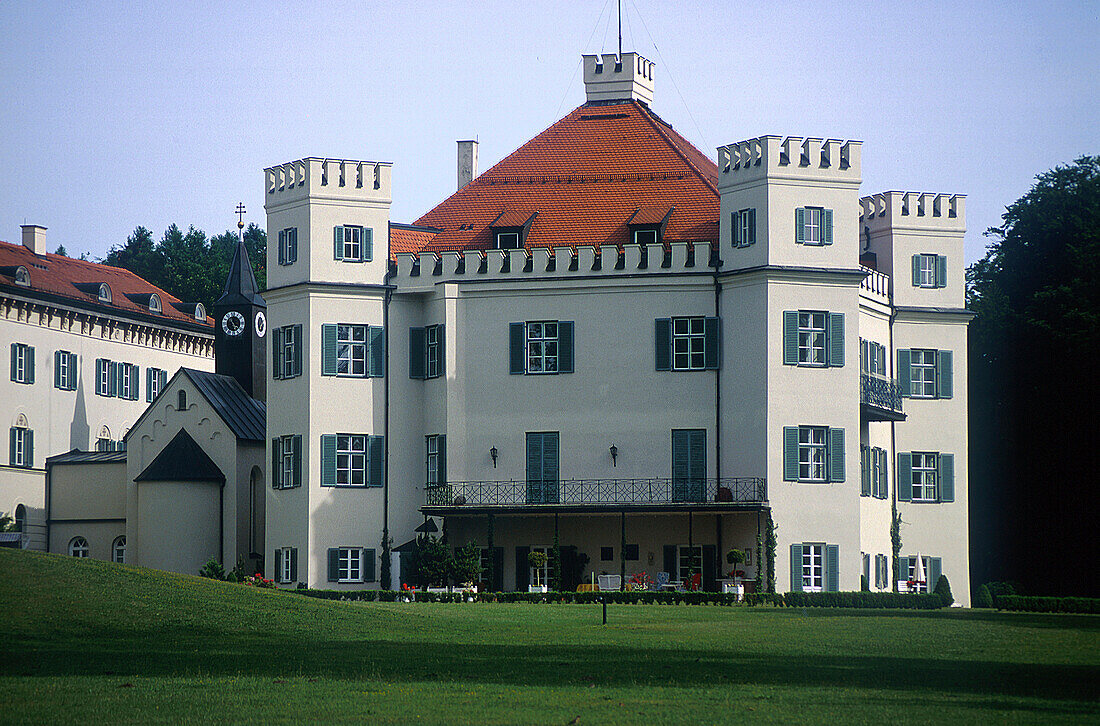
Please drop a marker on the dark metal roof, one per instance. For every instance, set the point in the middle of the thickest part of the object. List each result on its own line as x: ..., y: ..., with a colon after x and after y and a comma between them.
x: 182, y: 460
x: 244, y: 415
x: 76, y: 456
x: 240, y: 285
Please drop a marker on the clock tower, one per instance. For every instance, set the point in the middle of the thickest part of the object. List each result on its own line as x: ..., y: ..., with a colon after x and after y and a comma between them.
x: 240, y: 328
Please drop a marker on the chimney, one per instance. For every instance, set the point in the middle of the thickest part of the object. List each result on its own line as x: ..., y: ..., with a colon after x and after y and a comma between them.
x: 467, y: 162
x: 34, y: 238
x: 612, y: 79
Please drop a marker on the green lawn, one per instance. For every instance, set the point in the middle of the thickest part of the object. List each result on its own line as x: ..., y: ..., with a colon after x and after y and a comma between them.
x: 90, y: 642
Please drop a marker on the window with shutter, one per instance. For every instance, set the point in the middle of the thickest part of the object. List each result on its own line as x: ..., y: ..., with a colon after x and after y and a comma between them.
x: 689, y: 465
x: 541, y: 347
x: 542, y: 467
x: 662, y: 344
x: 743, y: 223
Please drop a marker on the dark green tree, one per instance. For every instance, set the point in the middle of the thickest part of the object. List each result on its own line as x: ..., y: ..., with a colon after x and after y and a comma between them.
x: 1033, y: 353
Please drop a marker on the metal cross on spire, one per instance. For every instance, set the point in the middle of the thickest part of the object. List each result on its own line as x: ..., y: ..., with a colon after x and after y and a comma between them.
x: 240, y: 219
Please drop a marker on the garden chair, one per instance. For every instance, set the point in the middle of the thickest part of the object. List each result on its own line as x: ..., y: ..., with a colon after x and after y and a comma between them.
x: 609, y: 583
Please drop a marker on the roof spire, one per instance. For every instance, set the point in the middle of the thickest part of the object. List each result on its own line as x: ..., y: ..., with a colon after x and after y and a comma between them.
x: 240, y: 285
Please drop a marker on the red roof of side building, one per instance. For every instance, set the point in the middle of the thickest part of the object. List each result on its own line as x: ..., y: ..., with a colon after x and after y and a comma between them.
x: 586, y: 177
x: 78, y: 280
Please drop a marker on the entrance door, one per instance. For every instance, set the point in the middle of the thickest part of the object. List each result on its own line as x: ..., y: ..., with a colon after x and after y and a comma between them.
x: 542, y: 467
x: 689, y: 465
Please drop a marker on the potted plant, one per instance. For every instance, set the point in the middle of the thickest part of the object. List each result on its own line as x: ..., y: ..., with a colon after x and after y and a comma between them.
x: 537, y: 560
x: 735, y: 557
x: 466, y: 566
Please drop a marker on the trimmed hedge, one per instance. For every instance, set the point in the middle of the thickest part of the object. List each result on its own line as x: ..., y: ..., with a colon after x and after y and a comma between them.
x: 883, y: 600
x: 1027, y: 603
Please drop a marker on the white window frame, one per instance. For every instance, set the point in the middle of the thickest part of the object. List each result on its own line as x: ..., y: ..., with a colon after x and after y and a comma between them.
x: 813, y: 567
x: 812, y: 326
x: 78, y: 547
x: 118, y: 550
x: 353, y: 242
x: 286, y: 461
x: 103, y: 378
x: 351, y: 350
x: 541, y: 346
x: 689, y: 343
x: 645, y: 236
x: 22, y: 351
x: 154, y: 384
x: 813, y: 453
x: 543, y: 577
x: 922, y: 373
x: 927, y: 267
x: 925, y: 466
x: 21, y: 447
x: 128, y: 385
x: 284, y: 564
x: 350, y: 564
x: 289, y: 352
x: 433, y: 351
x: 288, y: 242
x: 813, y: 222
x: 431, y: 444
x: 872, y: 358
x: 507, y: 240
x: 912, y: 573
x: 742, y: 222
x: 351, y: 460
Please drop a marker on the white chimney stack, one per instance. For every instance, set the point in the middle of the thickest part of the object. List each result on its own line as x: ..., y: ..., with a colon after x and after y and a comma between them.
x: 611, y: 79
x: 34, y: 238
x: 467, y: 162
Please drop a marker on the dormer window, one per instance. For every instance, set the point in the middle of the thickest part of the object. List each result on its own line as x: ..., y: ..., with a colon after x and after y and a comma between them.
x: 104, y: 292
x: 154, y: 303
x: 507, y: 241
x: 510, y: 229
x: 200, y: 313
x: 647, y: 224
x: 22, y: 276
x: 645, y: 236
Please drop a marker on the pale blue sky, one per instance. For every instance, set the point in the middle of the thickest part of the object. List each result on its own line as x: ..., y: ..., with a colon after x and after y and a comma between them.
x: 119, y: 114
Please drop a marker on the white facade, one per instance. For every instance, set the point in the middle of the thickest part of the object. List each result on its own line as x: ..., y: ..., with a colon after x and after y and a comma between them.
x: 802, y: 261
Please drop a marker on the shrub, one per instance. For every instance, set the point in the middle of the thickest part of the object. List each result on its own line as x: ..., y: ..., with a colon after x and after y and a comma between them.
x: 433, y: 560
x: 1028, y: 603
x: 983, y: 599
x: 891, y: 600
x: 1002, y: 588
x: 213, y: 569
x: 466, y: 564
x: 864, y: 586
x: 943, y: 589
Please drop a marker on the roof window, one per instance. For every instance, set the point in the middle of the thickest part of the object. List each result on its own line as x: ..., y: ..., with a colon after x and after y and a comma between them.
x: 200, y: 312
x: 154, y: 303
x: 104, y: 292
x: 22, y: 276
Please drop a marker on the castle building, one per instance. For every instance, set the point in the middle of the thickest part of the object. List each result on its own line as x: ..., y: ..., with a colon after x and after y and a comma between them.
x: 90, y: 346
x: 613, y: 344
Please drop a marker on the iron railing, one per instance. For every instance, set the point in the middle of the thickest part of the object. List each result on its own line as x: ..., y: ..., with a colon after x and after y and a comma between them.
x: 875, y: 282
x: 882, y: 393
x: 653, y: 492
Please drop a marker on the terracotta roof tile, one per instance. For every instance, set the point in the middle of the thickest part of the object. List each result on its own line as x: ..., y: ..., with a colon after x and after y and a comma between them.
x: 65, y: 277
x: 586, y: 176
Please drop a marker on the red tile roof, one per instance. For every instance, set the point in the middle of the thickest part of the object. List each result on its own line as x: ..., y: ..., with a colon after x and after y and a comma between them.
x: 406, y: 239
x: 586, y: 176
x: 61, y: 276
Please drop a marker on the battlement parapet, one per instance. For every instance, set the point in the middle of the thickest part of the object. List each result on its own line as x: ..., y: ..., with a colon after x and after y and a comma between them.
x: 344, y: 178
x: 793, y: 156
x: 924, y: 210
x: 610, y: 78
x: 425, y: 269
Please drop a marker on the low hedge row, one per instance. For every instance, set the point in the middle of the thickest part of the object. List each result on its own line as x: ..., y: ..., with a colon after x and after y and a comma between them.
x: 1026, y: 603
x: 888, y: 600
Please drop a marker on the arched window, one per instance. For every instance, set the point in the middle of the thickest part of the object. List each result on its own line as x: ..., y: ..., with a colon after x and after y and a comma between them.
x: 104, y: 292
x: 78, y: 547
x: 103, y: 441
x: 118, y: 549
x: 154, y: 303
x: 182, y: 400
x: 22, y: 276
x: 20, y: 518
x: 200, y: 312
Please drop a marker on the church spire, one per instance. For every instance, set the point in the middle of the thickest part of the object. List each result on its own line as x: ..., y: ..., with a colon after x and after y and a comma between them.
x: 240, y: 286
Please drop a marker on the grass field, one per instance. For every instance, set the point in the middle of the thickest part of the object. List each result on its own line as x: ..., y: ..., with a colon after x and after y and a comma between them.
x: 90, y: 642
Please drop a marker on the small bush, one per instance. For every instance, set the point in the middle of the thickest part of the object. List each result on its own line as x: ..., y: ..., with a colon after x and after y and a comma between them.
x: 1029, y: 603
x: 213, y: 569
x: 864, y: 586
x: 943, y: 589
x: 983, y: 599
x: 997, y: 589
x: 891, y: 600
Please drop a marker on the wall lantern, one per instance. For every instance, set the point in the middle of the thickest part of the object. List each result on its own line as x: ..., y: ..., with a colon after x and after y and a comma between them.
x: 614, y: 454
x: 493, y: 453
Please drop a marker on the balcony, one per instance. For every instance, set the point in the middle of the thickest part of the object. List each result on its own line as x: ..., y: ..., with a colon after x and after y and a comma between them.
x: 596, y: 495
x: 879, y: 398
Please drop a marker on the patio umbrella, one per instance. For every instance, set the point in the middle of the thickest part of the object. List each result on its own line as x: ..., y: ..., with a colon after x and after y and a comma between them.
x: 919, y: 574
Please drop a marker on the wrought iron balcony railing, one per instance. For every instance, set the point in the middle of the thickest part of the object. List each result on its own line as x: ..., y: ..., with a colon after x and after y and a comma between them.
x: 883, y: 394
x: 652, y: 492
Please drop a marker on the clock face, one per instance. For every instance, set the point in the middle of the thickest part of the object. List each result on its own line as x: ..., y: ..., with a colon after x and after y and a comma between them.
x: 261, y: 324
x: 233, y: 323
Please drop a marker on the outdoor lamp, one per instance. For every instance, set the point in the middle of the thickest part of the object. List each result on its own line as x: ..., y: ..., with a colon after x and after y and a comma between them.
x: 493, y: 453
x: 614, y: 454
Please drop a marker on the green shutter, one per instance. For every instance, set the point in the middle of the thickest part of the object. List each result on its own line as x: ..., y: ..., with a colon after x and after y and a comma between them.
x: 796, y: 568
x: 442, y: 350
x: 712, y: 343
x: 368, y: 565
x: 277, y: 353
x: 293, y: 552
x: 941, y: 271
x: 112, y: 378
x: 328, y: 349
x: 328, y: 460
x: 534, y: 468
x: 752, y: 227
x: 11, y: 446
x: 296, y: 443
x: 836, y: 455
x: 14, y: 360
x: 277, y: 561
x: 565, y: 346
x: 30, y: 364
x: 523, y: 568
x: 516, y: 345
x: 662, y: 344
x: 735, y: 229
x: 282, y: 252
x: 935, y: 569
x: 835, y: 336
x: 441, y: 457
x: 299, y: 343
x: 790, y: 337
x: 865, y: 471
x: 903, y: 568
x: 417, y: 353
x: 550, y: 467
x: 710, y: 568
x: 800, y: 231
x: 377, y: 460
x: 905, y: 381
x: 149, y: 373
x: 377, y: 336
x: 333, y: 564
x: 28, y: 448
x: 827, y: 226
x: 74, y: 374
x: 832, y: 568
x: 276, y: 469
x: 669, y: 555
x: 338, y: 242
x: 904, y: 483
x: 916, y: 270
x: 367, y: 248
x: 944, y: 384
x: 790, y: 453
x: 57, y: 368
x: 947, y: 477
x: 681, y: 463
